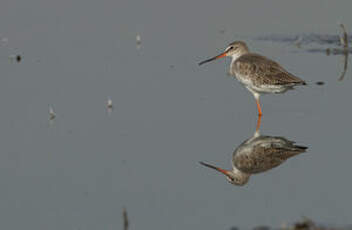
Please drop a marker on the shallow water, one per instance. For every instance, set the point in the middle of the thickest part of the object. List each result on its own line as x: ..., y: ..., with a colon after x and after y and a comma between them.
x: 78, y: 171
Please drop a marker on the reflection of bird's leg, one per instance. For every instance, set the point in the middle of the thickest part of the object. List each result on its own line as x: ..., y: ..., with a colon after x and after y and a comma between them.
x: 259, y: 109
x: 345, y: 55
x: 258, y: 123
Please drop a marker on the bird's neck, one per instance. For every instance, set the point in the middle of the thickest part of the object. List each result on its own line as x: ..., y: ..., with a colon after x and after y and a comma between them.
x: 234, y: 58
x: 236, y: 171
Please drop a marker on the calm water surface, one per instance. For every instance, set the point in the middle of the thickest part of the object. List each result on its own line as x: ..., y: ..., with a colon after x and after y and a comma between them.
x: 79, y: 171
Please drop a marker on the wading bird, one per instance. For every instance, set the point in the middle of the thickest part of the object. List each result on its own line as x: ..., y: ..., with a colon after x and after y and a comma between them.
x: 257, y: 73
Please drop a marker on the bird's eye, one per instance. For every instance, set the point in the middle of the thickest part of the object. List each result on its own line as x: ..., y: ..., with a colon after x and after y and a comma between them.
x: 232, y: 48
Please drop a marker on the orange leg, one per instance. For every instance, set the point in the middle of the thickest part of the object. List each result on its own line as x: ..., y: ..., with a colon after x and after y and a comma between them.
x: 259, y: 109
x: 258, y: 123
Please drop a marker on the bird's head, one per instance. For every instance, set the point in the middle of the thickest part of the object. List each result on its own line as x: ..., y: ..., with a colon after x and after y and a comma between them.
x: 234, y: 50
x: 234, y: 177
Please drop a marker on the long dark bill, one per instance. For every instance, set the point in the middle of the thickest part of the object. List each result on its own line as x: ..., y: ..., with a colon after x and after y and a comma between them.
x: 213, y: 58
x: 226, y: 172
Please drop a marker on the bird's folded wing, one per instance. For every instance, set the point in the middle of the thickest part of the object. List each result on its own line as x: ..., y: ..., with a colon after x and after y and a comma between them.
x: 264, y: 71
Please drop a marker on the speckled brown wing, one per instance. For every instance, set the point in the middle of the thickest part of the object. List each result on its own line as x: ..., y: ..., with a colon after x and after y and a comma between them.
x: 264, y: 71
x: 264, y: 157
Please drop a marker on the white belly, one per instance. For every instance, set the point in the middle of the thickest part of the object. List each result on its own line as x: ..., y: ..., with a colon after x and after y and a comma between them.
x: 248, y: 83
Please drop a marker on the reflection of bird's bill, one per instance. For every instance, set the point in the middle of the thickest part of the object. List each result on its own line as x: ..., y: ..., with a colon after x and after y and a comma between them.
x: 223, y: 171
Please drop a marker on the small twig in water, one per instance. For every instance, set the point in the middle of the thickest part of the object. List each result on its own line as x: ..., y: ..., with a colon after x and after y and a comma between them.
x: 344, y: 37
x: 125, y: 219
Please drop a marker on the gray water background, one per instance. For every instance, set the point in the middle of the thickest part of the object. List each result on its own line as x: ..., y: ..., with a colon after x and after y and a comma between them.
x: 169, y: 113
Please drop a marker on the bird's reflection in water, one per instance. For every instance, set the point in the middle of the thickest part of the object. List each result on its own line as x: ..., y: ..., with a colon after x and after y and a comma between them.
x: 258, y: 154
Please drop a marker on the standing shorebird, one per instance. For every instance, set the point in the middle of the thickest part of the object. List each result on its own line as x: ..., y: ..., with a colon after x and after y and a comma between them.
x: 257, y: 73
x: 258, y: 154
